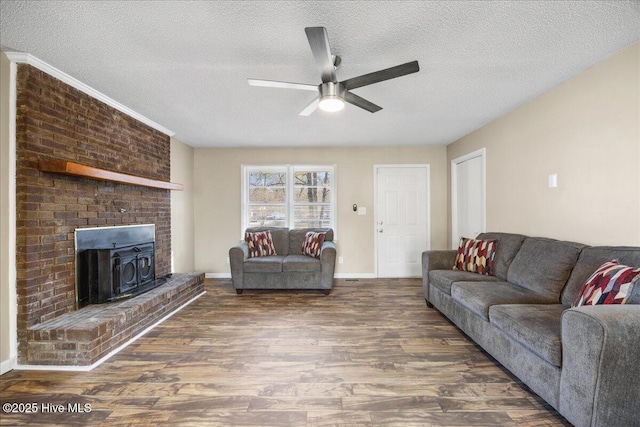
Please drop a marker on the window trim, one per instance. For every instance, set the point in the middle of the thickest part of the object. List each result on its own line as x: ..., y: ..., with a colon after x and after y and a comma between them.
x: 290, y: 203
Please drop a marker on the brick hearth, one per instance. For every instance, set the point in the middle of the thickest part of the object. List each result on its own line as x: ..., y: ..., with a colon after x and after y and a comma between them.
x: 83, y: 337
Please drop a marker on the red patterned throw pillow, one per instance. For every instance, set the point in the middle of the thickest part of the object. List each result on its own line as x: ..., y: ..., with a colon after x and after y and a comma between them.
x: 260, y: 244
x: 476, y: 256
x: 312, y: 244
x: 610, y: 284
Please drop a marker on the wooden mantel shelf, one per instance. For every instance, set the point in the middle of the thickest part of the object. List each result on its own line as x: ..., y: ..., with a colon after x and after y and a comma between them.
x: 70, y: 168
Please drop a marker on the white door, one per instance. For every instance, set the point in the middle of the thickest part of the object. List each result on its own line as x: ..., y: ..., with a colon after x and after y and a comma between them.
x: 467, y: 187
x: 401, y: 219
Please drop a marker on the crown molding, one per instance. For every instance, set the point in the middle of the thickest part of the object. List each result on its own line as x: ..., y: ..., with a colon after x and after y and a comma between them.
x: 25, y: 58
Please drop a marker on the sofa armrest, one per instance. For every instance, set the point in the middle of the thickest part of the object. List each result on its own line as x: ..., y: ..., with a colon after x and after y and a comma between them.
x: 237, y: 255
x: 435, y: 260
x: 328, y: 264
x: 601, y: 365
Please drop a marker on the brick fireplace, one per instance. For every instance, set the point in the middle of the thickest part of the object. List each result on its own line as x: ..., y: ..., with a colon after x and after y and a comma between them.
x: 55, y: 121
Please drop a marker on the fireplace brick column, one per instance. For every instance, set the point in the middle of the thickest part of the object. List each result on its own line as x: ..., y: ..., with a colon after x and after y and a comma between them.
x: 56, y: 121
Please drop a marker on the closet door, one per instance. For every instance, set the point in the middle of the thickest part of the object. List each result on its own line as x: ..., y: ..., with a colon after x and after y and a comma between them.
x: 467, y: 197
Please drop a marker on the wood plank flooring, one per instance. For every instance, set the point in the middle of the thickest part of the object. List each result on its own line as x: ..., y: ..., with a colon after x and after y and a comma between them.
x: 369, y: 354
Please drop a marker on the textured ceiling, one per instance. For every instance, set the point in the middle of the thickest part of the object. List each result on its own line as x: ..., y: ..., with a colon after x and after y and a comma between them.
x: 184, y: 64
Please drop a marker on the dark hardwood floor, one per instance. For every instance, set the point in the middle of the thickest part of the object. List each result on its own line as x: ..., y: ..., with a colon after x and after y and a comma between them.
x: 369, y: 354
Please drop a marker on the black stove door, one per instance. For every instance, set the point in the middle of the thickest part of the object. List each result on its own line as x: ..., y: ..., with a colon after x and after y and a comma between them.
x: 145, y: 267
x: 125, y: 273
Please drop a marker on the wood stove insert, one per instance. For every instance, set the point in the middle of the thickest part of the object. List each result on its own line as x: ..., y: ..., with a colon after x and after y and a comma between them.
x: 115, y: 263
x: 117, y: 273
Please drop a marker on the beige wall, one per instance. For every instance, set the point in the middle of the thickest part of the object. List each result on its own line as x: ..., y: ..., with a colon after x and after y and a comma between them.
x: 182, y: 229
x: 218, y: 191
x: 587, y: 130
x: 8, y: 337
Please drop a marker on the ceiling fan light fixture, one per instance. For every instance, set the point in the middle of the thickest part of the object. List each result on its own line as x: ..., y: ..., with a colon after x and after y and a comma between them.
x: 331, y: 103
x: 332, y: 94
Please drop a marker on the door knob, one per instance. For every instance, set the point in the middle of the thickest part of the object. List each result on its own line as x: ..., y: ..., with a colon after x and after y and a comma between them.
x: 380, y: 222
x: 380, y: 230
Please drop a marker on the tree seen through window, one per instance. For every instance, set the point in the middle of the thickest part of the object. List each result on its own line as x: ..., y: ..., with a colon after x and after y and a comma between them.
x: 294, y: 197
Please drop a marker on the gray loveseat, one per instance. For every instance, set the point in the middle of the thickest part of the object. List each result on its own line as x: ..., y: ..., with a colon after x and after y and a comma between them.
x: 289, y: 269
x: 584, y: 361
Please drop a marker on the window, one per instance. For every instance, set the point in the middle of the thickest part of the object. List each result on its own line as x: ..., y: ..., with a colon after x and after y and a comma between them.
x: 288, y: 196
x: 312, y: 197
x: 266, y: 197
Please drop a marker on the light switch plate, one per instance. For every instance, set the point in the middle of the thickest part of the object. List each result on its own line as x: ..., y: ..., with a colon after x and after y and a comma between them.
x: 362, y: 210
x: 553, y: 180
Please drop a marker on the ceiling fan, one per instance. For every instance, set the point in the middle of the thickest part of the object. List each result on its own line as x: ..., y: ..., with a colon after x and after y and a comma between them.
x: 332, y: 94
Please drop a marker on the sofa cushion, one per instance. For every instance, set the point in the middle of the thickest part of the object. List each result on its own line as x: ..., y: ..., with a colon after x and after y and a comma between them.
x: 296, y: 237
x: 265, y: 264
x: 260, y: 243
x: 544, y: 265
x: 593, y: 257
x: 312, y: 244
x: 475, y: 256
x: 479, y: 296
x: 279, y: 235
x: 507, y: 247
x: 443, y: 279
x: 612, y: 283
x: 634, y: 296
x: 301, y: 263
x: 536, y: 327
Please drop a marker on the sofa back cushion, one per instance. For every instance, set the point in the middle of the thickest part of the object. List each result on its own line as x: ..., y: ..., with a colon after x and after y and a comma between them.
x: 591, y: 259
x: 507, y: 246
x: 279, y: 235
x: 296, y: 238
x: 544, y: 265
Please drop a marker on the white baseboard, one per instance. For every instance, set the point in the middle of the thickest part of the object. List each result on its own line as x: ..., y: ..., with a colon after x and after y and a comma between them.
x: 105, y: 358
x: 217, y: 275
x: 7, y: 365
x: 354, y: 276
x: 336, y: 276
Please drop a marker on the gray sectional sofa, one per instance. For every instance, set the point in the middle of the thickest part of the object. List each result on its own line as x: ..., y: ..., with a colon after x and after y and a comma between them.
x: 289, y: 269
x: 584, y: 361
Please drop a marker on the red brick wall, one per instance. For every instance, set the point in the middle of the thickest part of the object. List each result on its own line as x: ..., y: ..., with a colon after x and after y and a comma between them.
x: 56, y: 121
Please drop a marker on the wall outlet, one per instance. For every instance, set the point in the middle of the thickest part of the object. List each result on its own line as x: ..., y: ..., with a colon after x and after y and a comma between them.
x: 228, y: 262
x: 340, y: 260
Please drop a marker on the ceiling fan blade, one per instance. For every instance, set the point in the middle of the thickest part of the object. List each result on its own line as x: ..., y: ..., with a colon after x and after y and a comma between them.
x: 379, y: 76
x: 319, y: 42
x: 358, y: 101
x: 282, y: 85
x: 310, y: 108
